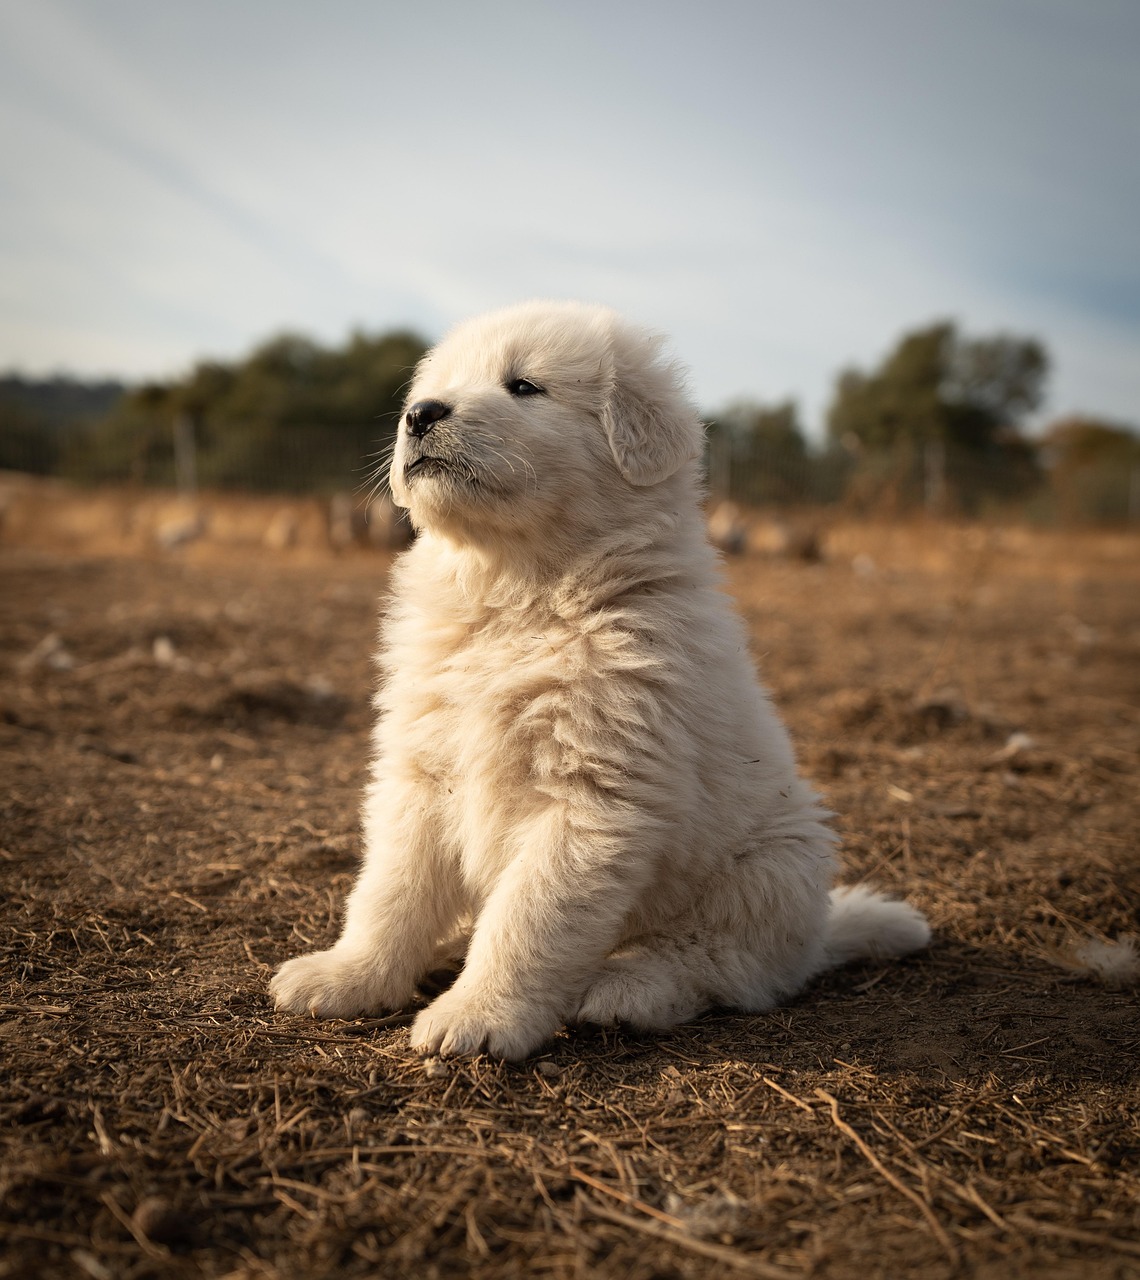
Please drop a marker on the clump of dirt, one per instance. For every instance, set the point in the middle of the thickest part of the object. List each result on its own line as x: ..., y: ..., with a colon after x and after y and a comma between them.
x: 259, y: 696
x: 182, y: 769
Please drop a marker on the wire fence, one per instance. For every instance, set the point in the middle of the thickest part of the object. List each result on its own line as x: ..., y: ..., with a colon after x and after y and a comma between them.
x: 316, y: 460
x: 931, y: 478
x: 740, y: 467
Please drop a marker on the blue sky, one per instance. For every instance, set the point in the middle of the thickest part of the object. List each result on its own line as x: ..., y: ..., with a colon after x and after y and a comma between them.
x: 783, y: 187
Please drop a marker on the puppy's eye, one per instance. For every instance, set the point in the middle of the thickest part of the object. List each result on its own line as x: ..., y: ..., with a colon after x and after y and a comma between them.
x: 524, y: 387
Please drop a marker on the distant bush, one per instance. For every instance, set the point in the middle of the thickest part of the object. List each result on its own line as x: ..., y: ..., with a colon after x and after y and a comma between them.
x: 1094, y: 469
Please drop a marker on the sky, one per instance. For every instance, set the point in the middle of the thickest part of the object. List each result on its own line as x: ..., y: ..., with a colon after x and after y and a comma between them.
x: 782, y: 186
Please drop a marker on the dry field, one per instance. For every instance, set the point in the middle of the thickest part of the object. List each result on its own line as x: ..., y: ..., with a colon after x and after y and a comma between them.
x: 179, y: 773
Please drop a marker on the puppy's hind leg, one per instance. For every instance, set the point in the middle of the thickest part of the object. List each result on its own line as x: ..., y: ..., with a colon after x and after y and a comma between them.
x: 655, y: 982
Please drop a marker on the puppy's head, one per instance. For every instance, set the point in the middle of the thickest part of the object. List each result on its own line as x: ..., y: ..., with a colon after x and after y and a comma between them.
x: 541, y: 413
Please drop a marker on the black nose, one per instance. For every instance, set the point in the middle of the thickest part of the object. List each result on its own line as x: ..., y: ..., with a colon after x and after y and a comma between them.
x: 424, y: 414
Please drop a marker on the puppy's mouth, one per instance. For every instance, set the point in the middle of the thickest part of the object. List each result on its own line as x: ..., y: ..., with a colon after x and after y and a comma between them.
x: 451, y: 467
x: 426, y: 464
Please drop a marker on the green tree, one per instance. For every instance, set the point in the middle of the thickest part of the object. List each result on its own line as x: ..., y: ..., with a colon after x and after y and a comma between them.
x: 292, y: 415
x: 938, y: 386
x: 943, y: 414
x: 759, y: 453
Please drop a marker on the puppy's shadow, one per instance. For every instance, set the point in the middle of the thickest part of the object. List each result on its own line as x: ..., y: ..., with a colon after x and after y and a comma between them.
x: 955, y: 1013
x: 437, y: 981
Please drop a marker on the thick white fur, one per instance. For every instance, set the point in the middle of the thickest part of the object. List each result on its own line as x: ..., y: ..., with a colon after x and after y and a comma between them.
x: 577, y: 778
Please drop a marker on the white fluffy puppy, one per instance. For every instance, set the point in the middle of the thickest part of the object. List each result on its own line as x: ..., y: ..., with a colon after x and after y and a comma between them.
x: 578, y: 780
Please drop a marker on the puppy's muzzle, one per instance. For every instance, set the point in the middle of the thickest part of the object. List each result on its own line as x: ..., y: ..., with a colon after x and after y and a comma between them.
x: 423, y: 415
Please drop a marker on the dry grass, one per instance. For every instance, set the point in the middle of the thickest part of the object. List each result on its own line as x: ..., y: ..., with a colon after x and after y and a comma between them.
x: 179, y: 816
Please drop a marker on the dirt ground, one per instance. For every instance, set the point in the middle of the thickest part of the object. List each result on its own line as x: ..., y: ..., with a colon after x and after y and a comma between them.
x: 182, y: 746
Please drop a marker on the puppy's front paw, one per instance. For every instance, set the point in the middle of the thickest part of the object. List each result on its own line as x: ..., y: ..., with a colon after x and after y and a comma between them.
x: 460, y: 1023
x: 332, y: 984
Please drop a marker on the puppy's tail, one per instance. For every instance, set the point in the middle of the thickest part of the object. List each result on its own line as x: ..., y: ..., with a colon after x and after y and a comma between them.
x: 863, y: 925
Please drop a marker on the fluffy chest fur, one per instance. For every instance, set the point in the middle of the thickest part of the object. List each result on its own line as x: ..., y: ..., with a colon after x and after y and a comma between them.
x: 513, y: 705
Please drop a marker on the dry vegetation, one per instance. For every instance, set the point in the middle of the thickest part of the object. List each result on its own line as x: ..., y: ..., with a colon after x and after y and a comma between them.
x: 181, y: 766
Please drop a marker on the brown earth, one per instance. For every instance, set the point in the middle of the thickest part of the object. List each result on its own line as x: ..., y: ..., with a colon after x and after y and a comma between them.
x: 180, y: 771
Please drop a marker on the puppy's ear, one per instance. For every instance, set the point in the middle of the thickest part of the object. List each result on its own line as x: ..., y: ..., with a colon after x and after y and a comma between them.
x: 651, y: 426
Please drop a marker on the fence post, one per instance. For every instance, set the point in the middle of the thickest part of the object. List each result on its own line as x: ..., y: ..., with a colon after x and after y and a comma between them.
x: 720, y: 465
x: 185, y: 456
x: 934, y: 476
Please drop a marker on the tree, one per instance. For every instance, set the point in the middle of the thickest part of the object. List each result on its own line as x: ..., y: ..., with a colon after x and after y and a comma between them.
x: 758, y: 453
x: 940, y: 420
x: 939, y: 387
x: 293, y: 415
x: 772, y: 427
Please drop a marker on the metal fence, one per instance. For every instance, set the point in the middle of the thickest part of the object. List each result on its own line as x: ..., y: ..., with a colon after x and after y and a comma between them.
x: 930, y: 478
x: 740, y: 467
x: 318, y: 460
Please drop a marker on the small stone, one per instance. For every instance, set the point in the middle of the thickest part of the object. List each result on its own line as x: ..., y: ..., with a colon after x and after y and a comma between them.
x: 163, y: 651
x: 319, y: 688
x: 179, y: 530
x: 282, y: 531
x: 50, y: 653
x: 89, y: 1264
x: 1015, y: 745
x: 161, y: 1223
x: 863, y: 566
